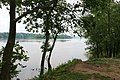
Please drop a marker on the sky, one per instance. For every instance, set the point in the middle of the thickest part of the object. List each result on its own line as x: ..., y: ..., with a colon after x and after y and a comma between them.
x: 4, y: 20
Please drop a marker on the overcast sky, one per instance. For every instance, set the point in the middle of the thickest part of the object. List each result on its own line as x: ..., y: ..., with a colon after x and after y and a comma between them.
x: 4, y: 20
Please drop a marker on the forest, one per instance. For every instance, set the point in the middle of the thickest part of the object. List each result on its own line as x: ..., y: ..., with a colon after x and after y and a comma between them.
x: 97, y: 21
x: 4, y: 36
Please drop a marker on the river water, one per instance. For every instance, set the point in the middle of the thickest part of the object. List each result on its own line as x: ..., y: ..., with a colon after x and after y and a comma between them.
x: 64, y: 50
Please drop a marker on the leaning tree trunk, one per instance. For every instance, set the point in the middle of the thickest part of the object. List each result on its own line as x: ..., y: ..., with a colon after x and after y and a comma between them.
x: 7, y: 55
x: 49, y: 57
x: 47, y: 35
x: 44, y: 52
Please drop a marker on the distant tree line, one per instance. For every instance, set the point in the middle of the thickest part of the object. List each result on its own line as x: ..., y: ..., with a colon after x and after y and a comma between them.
x: 32, y: 36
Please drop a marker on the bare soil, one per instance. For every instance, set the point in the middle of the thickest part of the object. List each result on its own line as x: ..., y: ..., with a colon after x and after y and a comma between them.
x: 111, y: 69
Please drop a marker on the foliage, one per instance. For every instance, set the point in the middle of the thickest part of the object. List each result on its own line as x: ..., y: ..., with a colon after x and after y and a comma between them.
x: 19, y: 54
x: 23, y: 8
x: 51, y: 16
x: 101, y: 28
x: 103, y: 61
x: 96, y: 5
x: 55, y: 19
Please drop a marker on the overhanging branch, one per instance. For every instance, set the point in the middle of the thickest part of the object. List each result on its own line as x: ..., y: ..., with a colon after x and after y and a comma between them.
x: 33, y: 10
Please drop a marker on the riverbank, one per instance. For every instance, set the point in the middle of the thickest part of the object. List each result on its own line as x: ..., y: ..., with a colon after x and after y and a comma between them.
x: 94, y: 69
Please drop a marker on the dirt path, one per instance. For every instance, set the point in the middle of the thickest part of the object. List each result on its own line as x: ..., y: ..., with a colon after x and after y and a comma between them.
x: 112, y: 70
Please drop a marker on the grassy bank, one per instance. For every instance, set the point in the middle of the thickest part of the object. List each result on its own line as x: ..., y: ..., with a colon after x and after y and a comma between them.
x: 94, y: 69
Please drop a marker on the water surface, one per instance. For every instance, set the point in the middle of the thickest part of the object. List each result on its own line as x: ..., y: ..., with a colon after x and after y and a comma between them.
x: 64, y: 50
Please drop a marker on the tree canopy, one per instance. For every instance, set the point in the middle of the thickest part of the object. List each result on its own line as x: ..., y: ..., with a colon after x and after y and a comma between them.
x: 101, y: 28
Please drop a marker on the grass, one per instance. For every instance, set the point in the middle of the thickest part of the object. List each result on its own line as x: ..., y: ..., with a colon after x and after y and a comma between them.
x: 62, y: 72
x: 103, y: 61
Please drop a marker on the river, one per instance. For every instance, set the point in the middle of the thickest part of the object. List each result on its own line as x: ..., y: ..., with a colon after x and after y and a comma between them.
x: 64, y: 50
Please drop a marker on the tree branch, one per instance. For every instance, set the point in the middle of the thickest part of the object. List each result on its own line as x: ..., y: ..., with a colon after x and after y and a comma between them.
x: 33, y: 10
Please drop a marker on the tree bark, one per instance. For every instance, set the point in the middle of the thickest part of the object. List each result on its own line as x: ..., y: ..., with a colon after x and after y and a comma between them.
x: 97, y: 50
x: 44, y: 52
x: 7, y: 55
x: 49, y: 57
x: 47, y: 35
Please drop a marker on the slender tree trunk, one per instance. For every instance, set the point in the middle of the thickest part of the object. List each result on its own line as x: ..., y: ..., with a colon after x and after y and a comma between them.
x: 107, y: 51
x: 110, y: 51
x: 44, y: 52
x: 114, y: 48
x: 117, y: 49
x: 7, y: 55
x: 97, y: 50
x: 47, y: 37
x: 49, y: 57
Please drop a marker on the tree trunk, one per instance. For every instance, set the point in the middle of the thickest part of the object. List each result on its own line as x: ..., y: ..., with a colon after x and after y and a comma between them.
x: 97, y: 50
x: 7, y: 55
x: 114, y: 48
x: 110, y: 50
x: 47, y: 35
x: 117, y: 49
x: 49, y: 57
x: 44, y: 52
x: 107, y: 51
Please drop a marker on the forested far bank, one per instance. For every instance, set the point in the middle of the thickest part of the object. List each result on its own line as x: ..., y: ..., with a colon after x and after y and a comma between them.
x: 4, y: 36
